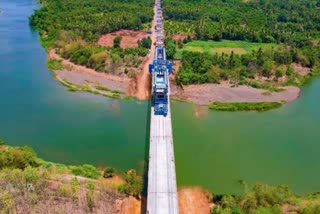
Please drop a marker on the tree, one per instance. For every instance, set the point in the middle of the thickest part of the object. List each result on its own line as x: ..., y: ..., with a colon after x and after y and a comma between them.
x: 145, y: 42
x: 170, y: 48
x: 117, y: 41
x: 202, y: 28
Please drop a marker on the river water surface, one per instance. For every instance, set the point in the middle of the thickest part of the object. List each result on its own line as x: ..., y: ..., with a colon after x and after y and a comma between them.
x: 213, y: 150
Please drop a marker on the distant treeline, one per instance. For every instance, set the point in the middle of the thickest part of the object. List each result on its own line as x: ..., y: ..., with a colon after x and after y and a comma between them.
x: 91, y: 18
x: 294, y: 22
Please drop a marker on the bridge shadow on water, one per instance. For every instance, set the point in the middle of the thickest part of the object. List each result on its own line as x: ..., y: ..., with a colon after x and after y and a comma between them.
x: 146, y: 162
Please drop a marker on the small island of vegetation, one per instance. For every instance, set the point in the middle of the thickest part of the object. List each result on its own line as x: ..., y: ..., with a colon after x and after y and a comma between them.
x: 260, y: 106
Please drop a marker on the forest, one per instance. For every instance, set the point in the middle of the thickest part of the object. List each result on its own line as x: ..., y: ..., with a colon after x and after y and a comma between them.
x: 91, y: 18
x: 73, y: 28
x: 293, y: 22
x: 294, y: 25
x: 268, y: 63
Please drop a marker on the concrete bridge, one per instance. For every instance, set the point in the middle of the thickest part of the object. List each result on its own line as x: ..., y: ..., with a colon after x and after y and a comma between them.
x: 162, y: 186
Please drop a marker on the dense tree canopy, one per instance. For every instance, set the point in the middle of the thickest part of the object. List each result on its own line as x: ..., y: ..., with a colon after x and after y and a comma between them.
x: 91, y: 18
x: 294, y: 24
x: 73, y: 27
x: 289, y: 21
x: 272, y: 62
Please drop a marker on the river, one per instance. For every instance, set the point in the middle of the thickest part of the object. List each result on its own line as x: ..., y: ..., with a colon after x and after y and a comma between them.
x: 214, y: 150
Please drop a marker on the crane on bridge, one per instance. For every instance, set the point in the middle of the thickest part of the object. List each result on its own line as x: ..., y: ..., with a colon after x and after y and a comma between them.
x: 160, y: 70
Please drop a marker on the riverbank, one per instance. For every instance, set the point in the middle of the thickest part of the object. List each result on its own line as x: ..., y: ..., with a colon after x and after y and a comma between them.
x: 40, y: 186
x: 208, y: 93
x: 204, y: 94
x: 80, y: 78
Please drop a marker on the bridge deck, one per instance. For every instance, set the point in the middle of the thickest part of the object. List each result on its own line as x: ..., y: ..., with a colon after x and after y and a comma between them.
x: 162, y: 187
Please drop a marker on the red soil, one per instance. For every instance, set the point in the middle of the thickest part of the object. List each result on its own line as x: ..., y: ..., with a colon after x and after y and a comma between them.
x: 179, y: 36
x: 193, y: 200
x: 130, y: 38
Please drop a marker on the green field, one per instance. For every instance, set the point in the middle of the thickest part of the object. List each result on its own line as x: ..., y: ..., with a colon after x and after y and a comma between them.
x: 226, y: 46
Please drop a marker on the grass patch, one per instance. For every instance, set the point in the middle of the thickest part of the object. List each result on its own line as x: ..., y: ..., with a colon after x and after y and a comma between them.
x: 226, y: 46
x: 102, y: 88
x: 228, y: 50
x: 194, y: 49
x: 256, y: 106
x: 111, y: 93
x: 54, y: 64
x: 267, y: 93
x: 267, y: 86
x: 86, y: 170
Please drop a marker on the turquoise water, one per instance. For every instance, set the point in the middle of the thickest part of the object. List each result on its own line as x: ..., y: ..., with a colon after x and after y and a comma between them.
x: 60, y: 125
x: 214, y: 151
x: 276, y: 147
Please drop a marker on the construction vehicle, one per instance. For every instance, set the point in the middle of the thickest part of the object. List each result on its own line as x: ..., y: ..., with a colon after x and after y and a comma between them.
x: 160, y: 70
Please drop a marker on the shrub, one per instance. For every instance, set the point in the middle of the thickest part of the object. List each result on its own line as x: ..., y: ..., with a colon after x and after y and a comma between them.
x: 109, y: 172
x: 117, y: 41
x: 18, y: 157
x: 279, y: 73
x: 133, y: 184
x: 54, y: 64
x: 31, y: 175
x: 86, y: 170
x: 145, y: 42
x: 90, y: 201
x: 64, y: 190
x: 290, y: 71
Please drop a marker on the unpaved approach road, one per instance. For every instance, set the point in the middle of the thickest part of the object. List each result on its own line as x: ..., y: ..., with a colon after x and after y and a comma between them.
x: 140, y: 87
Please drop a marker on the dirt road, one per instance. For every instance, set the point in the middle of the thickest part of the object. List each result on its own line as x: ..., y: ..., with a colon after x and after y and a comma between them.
x: 140, y: 87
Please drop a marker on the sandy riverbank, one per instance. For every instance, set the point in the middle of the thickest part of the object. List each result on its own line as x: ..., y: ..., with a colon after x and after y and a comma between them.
x: 138, y: 87
x: 81, y: 75
x: 207, y: 93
